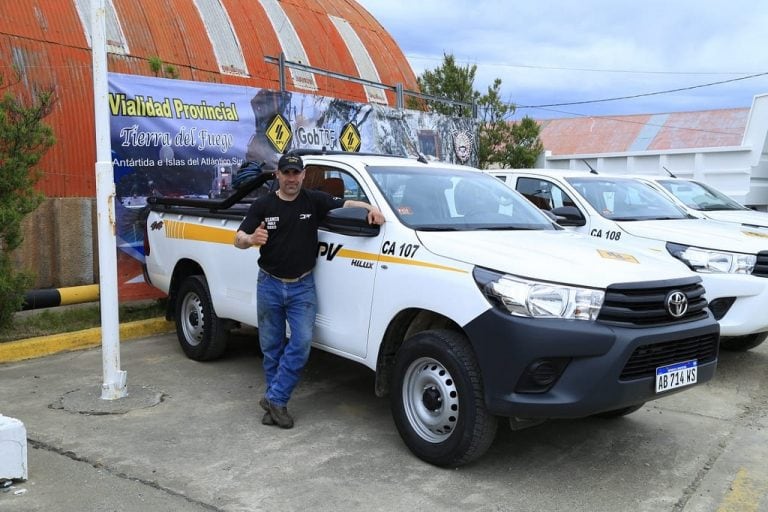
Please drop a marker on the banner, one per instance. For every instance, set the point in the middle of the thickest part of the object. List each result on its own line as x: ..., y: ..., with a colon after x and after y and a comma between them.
x: 188, y: 139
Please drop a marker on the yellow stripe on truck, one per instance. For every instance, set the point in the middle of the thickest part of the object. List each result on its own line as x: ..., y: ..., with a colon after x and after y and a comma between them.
x: 358, y: 255
x: 189, y: 231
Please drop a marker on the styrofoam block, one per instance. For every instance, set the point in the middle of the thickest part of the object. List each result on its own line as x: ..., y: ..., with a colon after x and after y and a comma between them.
x: 13, y: 449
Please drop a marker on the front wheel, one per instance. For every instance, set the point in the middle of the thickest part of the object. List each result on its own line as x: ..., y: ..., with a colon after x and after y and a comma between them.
x: 743, y: 343
x: 437, y: 400
x: 202, y: 334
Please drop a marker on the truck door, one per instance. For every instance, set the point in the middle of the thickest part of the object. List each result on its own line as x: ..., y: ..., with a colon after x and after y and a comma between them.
x: 344, y: 277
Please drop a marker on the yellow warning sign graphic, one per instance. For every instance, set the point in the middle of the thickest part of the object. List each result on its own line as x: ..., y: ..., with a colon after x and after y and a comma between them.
x: 279, y: 133
x: 350, y: 138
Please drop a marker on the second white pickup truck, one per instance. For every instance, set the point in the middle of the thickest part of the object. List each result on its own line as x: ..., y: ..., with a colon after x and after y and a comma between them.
x: 468, y: 303
x: 732, y: 259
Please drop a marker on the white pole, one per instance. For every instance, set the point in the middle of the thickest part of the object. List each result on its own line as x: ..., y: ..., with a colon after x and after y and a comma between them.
x: 114, y: 385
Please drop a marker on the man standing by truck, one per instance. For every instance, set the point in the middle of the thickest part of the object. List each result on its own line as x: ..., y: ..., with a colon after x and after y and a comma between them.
x: 284, y: 225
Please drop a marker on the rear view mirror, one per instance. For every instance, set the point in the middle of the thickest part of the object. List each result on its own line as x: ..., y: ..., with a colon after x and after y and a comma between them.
x: 569, y: 216
x: 350, y: 221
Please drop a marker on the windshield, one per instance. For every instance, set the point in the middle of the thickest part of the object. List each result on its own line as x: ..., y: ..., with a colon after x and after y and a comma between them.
x: 626, y: 199
x: 699, y: 196
x: 445, y: 199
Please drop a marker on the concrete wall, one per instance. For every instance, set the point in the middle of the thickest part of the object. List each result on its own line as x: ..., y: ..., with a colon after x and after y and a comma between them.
x: 59, y: 243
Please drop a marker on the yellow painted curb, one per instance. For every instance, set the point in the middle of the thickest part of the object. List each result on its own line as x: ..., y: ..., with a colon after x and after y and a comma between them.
x: 46, y: 345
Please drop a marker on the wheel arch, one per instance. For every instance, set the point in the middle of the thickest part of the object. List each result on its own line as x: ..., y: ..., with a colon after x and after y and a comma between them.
x: 405, y: 324
x: 183, y: 269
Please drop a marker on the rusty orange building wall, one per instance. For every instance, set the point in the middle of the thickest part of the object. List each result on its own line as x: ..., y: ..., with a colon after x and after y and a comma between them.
x: 45, y: 40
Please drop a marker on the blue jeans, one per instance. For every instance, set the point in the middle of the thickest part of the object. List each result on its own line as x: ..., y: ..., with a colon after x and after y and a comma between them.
x: 284, y: 359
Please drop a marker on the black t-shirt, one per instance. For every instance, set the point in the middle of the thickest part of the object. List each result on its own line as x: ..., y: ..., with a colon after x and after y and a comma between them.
x: 291, y: 249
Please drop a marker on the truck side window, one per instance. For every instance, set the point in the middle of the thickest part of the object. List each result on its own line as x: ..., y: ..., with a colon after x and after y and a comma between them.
x: 544, y: 194
x: 536, y: 191
x: 336, y: 182
x: 560, y: 198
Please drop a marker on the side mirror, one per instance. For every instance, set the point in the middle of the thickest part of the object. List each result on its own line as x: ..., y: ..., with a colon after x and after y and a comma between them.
x: 569, y: 216
x: 350, y: 221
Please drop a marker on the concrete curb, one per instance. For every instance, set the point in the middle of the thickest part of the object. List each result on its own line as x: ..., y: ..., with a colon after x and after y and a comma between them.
x: 41, y: 346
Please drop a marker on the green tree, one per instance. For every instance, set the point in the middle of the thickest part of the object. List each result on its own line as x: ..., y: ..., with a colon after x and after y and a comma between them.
x: 499, y: 142
x: 523, y: 146
x: 449, y: 81
x: 24, y: 138
x: 494, y: 131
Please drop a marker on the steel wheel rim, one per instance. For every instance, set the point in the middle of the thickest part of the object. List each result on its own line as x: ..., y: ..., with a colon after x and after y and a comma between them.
x: 192, y: 319
x: 430, y: 400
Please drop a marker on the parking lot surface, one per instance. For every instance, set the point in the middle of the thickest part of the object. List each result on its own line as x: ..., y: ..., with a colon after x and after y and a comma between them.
x: 189, y: 438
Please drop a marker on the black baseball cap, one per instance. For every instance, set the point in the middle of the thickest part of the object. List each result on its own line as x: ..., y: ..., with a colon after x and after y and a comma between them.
x: 290, y: 162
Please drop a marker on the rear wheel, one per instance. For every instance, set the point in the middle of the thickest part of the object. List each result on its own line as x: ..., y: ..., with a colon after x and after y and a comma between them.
x: 437, y: 401
x: 202, y: 335
x: 743, y: 343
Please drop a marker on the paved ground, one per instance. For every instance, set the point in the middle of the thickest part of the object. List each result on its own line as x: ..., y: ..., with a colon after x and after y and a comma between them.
x: 190, y: 440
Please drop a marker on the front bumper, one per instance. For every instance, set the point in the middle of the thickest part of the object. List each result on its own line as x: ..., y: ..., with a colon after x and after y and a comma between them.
x: 595, y: 353
x: 751, y: 294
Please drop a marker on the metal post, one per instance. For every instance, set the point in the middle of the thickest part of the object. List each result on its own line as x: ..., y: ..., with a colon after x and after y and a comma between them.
x: 281, y: 71
x: 399, y: 96
x: 114, y: 385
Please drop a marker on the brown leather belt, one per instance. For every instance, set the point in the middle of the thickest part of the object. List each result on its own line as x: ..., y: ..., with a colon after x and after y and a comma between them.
x: 289, y: 279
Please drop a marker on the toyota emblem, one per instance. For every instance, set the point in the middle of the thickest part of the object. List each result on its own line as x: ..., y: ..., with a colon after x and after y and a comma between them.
x: 676, y: 303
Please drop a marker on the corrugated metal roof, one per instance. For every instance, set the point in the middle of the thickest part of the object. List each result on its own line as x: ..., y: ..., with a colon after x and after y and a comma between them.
x: 48, y: 42
x: 613, y: 134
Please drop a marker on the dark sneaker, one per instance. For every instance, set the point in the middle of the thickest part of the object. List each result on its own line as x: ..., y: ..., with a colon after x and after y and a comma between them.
x: 264, y: 403
x: 280, y: 415
x: 267, y: 419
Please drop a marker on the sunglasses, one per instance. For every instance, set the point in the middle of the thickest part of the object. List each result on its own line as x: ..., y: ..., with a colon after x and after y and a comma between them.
x: 290, y: 171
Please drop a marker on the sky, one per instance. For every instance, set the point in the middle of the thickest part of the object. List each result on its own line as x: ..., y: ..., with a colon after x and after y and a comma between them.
x: 553, y: 52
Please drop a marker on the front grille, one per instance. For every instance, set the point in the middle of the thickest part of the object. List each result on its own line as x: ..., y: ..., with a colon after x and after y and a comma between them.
x: 642, y: 304
x: 761, y: 265
x: 646, y: 358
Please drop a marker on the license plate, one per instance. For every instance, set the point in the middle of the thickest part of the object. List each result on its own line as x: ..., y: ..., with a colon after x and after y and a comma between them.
x: 675, y: 376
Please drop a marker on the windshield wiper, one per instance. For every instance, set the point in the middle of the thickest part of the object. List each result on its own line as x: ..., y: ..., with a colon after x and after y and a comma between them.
x: 513, y: 228
x: 438, y: 228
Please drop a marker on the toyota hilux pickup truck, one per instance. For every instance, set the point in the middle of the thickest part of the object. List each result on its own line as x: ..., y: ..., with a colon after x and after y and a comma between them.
x: 705, y: 201
x: 469, y: 304
x: 731, y: 258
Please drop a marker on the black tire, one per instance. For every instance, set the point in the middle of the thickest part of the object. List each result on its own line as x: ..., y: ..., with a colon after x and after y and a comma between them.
x: 743, y: 343
x: 618, y: 413
x: 202, y: 335
x: 437, y: 401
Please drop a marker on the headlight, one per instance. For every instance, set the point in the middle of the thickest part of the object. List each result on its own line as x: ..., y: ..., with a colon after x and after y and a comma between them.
x: 523, y: 297
x: 708, y: 261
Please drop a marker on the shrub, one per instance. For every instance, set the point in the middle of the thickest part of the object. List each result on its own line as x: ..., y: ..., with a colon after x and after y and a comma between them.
x: 24, y: 138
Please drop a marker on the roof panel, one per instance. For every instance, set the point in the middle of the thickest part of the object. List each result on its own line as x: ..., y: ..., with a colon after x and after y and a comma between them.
x: 677, y: 130
x: 710, y: 128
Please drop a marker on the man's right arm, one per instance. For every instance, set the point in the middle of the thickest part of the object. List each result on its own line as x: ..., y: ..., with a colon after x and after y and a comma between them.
x: 259, y: 237
x: 242, y: 240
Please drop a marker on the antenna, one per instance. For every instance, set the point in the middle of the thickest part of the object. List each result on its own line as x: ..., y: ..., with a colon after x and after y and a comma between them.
x: 591, y: 169
x: 668, y: 171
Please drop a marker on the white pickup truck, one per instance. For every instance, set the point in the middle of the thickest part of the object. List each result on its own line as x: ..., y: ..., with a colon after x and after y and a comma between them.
x: 468, y: 303
x: 732, y: 259
x: 705, y: 201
